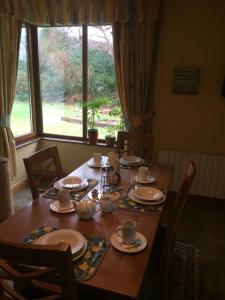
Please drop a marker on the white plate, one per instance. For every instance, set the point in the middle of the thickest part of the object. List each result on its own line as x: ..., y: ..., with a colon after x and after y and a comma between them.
x: 58, y: 186
x: 71, y: 182
x: 115, y: 241
x: 93, y: 165
x: 73, y: 237
x: 131, y: 160
x: 55, y: 206
x: 133, y: 198
x: 116, y: 195
x: 76, y: 256
x: 147, y: 193
x: 149, y: 179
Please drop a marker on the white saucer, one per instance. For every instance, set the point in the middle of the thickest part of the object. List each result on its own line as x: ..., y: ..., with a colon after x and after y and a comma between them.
x: 93, y: 165
x: 58, y: 186
x: 150, y: 179
x: 54, y: 206
x: 156, y: 202
x: 116, y: 244
x: 116, y: 195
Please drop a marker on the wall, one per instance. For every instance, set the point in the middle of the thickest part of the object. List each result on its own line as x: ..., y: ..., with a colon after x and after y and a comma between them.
x: 73, y: 155
x: 192, y: 34
x: 20, y: 154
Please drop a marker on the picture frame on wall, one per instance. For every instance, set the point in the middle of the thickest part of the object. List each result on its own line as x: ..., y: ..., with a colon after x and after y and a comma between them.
x: 186, y: 81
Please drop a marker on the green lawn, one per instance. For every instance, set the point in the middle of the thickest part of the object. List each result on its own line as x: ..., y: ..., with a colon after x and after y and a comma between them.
x: 53, y: 123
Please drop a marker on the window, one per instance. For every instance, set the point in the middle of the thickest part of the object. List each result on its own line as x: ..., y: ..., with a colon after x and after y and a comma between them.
x: 21, y: 117
x: 76, y: 65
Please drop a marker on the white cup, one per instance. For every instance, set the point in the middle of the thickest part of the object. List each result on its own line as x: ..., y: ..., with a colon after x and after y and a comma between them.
x: 64, y: 198
x: 127, y: 231
x: 143, y: 173
x: 97, y: 157
x: 106, y: 203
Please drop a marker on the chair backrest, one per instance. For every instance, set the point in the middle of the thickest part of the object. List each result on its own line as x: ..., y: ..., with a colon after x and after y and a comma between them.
x: 173, y: 224
x: 36, y: 271
x: 43, y: 169
x: 135, y: 143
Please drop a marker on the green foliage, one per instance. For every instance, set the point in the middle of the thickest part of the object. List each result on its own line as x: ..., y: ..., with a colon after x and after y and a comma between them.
x: 93, y: 109
x: 116, y: 111
x: 101, y: 78
x: 22, y: 84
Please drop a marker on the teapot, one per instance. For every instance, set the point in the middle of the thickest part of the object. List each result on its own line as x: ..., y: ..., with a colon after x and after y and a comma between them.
x: 85, y: 209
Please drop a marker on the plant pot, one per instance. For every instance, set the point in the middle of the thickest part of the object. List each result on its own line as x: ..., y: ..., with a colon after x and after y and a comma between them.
x: 110, y: 140
x: 92, y: 136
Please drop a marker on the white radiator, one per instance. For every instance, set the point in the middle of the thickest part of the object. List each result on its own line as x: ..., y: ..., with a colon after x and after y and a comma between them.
x: 210, y: 176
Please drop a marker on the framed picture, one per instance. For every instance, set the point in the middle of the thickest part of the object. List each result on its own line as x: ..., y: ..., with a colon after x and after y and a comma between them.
x: 186, y: 81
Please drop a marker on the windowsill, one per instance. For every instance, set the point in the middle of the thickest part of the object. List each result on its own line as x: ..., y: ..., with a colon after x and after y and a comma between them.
x: 99, y: 144
x: 64, y: 140
x: 27, y: 142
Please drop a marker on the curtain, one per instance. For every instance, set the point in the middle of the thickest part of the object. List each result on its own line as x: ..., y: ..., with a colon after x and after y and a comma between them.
x: 133, y: 52
x: 10, y: 29
x: 55, y: 12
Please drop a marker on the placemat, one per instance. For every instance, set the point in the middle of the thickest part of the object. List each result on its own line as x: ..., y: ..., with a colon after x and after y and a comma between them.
x: 86, y: 266
x: 126, y: 203
x: 77, y: 196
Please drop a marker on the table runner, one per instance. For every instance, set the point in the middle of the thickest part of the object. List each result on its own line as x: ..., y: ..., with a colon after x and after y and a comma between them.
x: 77, y: 196
x: 86, y: 266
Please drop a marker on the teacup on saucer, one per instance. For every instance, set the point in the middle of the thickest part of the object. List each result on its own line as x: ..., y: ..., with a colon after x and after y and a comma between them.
x: 64, y: 200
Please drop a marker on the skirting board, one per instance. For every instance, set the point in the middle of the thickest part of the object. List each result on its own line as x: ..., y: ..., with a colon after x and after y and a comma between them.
x: 16, y: 187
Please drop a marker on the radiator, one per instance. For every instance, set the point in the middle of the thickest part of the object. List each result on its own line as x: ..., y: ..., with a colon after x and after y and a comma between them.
x: 210, y: 175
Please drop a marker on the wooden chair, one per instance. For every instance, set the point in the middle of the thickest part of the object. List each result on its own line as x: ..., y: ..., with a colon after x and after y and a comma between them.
x: 43, y: 169
x: 36, y: 272
x: 173, y: 226
x: 135, y: 143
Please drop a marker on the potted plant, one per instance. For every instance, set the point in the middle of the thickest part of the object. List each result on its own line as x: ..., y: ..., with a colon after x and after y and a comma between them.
x: 93, y: 110
x: 110, y: 137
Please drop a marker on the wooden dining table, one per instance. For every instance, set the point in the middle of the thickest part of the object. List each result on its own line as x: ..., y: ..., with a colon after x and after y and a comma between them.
x: 119, y: 273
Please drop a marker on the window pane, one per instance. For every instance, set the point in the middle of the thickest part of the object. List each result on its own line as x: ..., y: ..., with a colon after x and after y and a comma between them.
x: 21, y: 121
x: 101, y: 79
x: 60, y: 61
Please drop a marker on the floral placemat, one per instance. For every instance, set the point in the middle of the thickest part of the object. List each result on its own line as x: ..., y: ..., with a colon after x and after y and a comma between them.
x: 86, y: 266
x: 74, y: 195
x: 126, y: 203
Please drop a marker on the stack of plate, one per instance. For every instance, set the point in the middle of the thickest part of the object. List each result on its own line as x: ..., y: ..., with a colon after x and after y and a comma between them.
x: 147, y: 195
x: 76, y: 240
x: 132, y: 161
x: 72, y: 183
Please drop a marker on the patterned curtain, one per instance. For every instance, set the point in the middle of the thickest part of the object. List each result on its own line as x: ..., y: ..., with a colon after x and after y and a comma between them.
x: 10, y: 29
x: 133, y: 52
x: 56, y: 12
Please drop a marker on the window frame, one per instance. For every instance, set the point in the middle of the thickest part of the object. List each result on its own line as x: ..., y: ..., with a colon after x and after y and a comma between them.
x: 23, y: 138
x: 35, y: 88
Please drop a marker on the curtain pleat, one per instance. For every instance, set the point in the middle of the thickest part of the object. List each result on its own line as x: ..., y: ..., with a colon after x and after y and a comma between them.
x: 56, y: 12
x: 133, y: 51
x: 10, y: 29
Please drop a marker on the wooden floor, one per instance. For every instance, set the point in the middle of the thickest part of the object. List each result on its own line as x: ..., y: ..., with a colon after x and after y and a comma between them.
x: 203, y: 225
